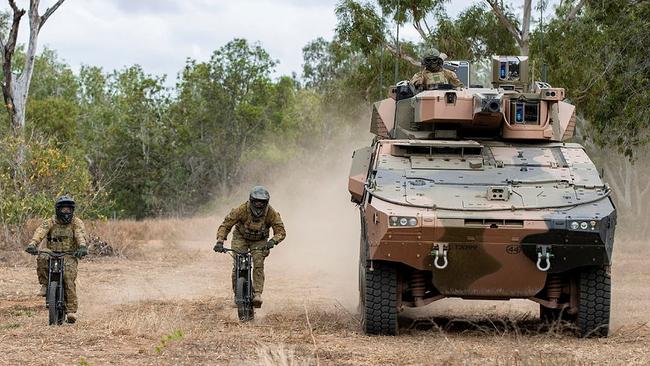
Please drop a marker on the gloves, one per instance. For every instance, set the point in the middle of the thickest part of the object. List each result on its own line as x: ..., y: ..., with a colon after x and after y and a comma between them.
x: 270, y: 244
x: 81, y: 252
x: 31, y: 249
x: 219, y: 247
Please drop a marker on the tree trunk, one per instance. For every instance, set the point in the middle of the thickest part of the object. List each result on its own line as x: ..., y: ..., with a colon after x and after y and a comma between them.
x: 522, y: 36
x: 16, y: 89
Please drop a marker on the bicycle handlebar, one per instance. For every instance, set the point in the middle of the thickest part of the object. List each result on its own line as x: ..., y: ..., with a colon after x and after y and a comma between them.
x: 54, y: 254
x: 241, y: 253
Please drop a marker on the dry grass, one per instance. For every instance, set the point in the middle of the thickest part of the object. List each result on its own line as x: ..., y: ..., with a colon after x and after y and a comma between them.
x: 168, y: 304
x: 279, y: 355
x: 126, y: 237
x: 144, y: 319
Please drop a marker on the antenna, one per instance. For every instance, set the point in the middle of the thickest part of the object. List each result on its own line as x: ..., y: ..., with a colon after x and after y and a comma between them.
x: 399, y: 51
x: 381, y: 62
x: 541, y: 38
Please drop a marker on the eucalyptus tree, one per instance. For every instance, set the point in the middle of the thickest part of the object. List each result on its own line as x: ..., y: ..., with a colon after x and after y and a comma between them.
x: 15, y: 88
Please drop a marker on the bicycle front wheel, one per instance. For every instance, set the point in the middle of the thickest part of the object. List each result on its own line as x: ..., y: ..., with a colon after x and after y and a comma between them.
x: 53, y: 312
x: 245, y: 310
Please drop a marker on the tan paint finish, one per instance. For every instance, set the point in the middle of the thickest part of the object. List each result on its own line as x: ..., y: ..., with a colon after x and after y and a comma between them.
x: 432, y: 106
x: 383, y: 117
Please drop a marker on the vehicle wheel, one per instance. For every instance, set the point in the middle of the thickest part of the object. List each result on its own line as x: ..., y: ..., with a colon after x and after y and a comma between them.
x: 53, y: 312
x: 380, y: 300
x: 594, y: 299
x: 245, y: 310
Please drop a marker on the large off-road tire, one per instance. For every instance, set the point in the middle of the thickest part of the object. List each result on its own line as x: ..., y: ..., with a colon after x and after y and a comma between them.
x: 594, y: 299
x: 380, y: 300
x: 52, y: 299
x: 245, y: 310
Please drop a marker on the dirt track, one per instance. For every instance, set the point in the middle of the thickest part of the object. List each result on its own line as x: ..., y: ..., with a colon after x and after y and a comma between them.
x: 180, y: 293
x: 128, y: 306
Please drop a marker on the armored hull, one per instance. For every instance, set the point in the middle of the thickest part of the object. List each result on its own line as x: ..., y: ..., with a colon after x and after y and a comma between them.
x: 477, y: 215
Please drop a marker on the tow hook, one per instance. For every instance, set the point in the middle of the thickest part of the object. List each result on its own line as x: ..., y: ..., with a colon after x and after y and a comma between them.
x: 544, y: 255
x: 440, y: 251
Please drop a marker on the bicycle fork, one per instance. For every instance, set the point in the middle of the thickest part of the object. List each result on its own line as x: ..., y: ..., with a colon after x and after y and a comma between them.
x: 55, y: 272
x: 243, y: 268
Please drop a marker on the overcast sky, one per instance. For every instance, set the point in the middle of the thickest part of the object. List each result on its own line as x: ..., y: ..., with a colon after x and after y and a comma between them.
x: 161, y: 34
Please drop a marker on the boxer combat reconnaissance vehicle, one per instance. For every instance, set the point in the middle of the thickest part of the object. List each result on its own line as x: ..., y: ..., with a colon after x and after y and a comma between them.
x: 475, y: 193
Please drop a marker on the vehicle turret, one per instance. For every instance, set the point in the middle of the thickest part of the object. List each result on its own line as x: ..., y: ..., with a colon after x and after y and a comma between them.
x: 510, y: 110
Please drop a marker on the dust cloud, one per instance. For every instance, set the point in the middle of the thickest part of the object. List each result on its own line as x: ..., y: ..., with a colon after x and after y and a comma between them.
x: 321, y: 250
x: 322, y: 244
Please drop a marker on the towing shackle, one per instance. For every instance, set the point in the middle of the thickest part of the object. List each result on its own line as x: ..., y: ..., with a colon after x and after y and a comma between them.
x: 438, y: 252
x: 544, y: 256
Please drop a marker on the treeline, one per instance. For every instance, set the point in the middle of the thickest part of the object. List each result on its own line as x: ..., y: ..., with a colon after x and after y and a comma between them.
x: 124, y: 144
x: 127, y: 145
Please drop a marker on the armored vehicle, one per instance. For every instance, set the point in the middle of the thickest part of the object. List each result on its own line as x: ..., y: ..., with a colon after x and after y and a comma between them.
x: 474, y: 193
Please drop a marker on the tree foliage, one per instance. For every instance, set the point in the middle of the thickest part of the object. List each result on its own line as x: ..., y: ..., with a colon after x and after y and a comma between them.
x: 601, y: 57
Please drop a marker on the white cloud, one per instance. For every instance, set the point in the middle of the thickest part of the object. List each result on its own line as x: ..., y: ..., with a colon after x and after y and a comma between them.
x: 161, y: 35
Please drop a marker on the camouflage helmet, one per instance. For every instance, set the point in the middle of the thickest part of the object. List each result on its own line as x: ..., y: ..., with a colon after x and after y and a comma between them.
x: 61, y: 202
x: 259, y: 201
x: 433, y: 53
x: 433, y: 59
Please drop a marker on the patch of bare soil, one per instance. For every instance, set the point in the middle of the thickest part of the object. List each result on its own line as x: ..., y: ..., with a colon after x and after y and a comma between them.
x: 172, y: 306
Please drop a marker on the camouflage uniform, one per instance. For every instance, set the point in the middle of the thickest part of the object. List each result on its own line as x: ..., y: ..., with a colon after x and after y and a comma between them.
x: 61, y: 238
x: 426, y: 77
x: 252, y: 233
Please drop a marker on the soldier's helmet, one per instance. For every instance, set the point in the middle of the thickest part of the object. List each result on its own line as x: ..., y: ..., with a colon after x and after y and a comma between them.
x: 64, y: 209
x: 433, y: 59
x: 259, y: 200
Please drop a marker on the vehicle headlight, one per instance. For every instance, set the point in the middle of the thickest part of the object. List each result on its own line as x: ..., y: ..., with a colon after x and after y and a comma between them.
x: 583, y: 225
x: 403, y: 221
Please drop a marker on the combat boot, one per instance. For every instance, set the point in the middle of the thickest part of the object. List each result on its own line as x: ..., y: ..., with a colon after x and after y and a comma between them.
x: 42, y: 291
x: 257, y: 301
x: 70, y: 318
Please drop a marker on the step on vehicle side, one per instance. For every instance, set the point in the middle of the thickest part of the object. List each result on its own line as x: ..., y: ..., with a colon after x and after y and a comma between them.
x: 475, y: 193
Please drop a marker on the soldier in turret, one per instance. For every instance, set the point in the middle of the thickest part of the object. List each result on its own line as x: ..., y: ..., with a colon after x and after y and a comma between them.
x: 64, y: 233
x: 252, y: 221
x: 433, y: 73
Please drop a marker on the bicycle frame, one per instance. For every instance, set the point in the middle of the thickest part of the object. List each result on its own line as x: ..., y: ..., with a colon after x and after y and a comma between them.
x: 243, y: 283
x: 56, y: 271
x: 244, y: 268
